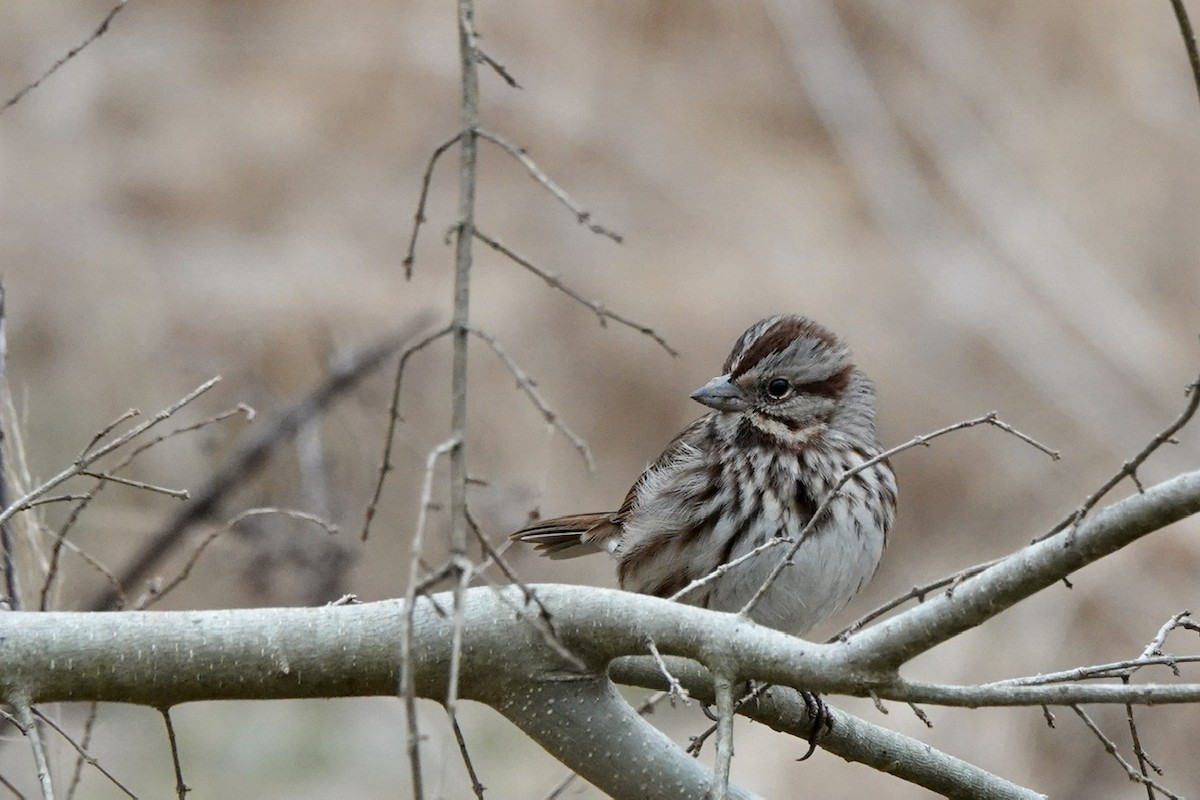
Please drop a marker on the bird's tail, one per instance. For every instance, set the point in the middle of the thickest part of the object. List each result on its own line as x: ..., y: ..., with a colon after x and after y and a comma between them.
x: 571, y: 536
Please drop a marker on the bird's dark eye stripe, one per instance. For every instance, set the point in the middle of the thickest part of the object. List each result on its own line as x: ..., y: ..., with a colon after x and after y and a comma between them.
x: 830, y: 387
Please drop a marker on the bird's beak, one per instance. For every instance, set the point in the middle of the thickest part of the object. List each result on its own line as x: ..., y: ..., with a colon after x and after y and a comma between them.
x: 722, y: 394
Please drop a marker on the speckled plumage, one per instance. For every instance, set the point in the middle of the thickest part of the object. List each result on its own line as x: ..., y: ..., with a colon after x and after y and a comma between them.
x: 756, y: 467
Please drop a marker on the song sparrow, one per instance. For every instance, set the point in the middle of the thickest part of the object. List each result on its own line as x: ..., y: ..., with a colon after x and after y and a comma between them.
x: 792, y: 415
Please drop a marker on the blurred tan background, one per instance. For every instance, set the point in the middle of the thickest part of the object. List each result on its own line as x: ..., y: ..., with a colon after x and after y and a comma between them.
x: 996, y: 206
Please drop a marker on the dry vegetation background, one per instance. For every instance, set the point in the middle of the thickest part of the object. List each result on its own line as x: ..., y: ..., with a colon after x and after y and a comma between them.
x: 228, y: 188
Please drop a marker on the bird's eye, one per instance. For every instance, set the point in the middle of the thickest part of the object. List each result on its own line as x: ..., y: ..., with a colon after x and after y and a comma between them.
x: 779, y: 388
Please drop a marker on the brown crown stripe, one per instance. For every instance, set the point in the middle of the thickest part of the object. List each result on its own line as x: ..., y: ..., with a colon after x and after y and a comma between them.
x: 778, y: 337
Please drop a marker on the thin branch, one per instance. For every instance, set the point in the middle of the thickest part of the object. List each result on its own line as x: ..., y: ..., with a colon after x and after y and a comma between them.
x: 181, y: 788
x: 1189, y: 39
x: 156, y: 591
x: 12, y: 585
x: 89, y: 725
x: 419, y: 218
x: 1111, y: 748
x: 723, y: 688
x: 922, y: 440
x: 674, y: 687
x: 1130, y: 467
x: 84, y: 754
x: 476, y: 787
x: 542, y: 623
x: 582, y: 216
x: 407, y: 687
x: 101, y: 29
x: 389, y: 438
x: 1181, y: 620
x: 729, y: 565
x: 251, y: 454
x: 918, y: 593
x: 178, y: 494
x: 498, y: 68
x: 602, y: 314
x: 88, y: 498
x: 89, y: 456
x: 525, y: 384
x: 29, y: 727
x: 12, y: 789
x: 1144, y: 761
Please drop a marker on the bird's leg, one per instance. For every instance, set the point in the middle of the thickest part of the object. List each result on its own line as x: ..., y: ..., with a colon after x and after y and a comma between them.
x: 821, y: 717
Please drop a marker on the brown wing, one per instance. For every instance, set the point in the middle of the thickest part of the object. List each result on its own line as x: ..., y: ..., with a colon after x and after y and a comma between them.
x: 581, y: 534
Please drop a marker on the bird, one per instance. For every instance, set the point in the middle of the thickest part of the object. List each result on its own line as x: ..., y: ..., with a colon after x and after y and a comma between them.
x: 790, y: 416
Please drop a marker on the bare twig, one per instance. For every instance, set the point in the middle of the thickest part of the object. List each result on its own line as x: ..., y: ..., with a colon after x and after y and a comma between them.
x: 1111, y: 748
x: 525, y: 384
x: 90, y: 456
x: 157, y: 591
x: 921, y: 440
x: 543, y: 623
x: 84, y: 754
x: 87, y: 499
x: 419, y: 218
x: 13, y: 790
x: 602, y: 314
x: 728, y: 565
x: 918, y: 593
x: 498, y: 68
x: 89, y: 725
x: 389, y: 438
x: 582, y: 216
x: 407, y: 687
x: 674, y: 687
x: 181, y: 788
x: 1130, y: 467
x: 178, y: 494
x: 29, y: 727
x: 1145, y: 763
x: 101, y: 29
x: 251, y: 454
x: 1189, y: 39
x: 12, y: 586
x: 726, y: 710
x: 476, y: 787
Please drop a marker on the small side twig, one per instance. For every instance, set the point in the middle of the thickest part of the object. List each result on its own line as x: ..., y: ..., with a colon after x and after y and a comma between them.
x: 582, y: 216
x: 178, y: 494
x: 181, y: 788
x: 674, y: 687
x: 1110, y: 747
x: 84, y: 755
x: 85, y: 500
x: 100, y: 30
x: 1189, y: 39
x: 602, y: 314
x: 89, y: 725
x: 1129, y: 468
x: 389, y: 437
x: 419, y: 218
x: 476, y: 787
x: 407, y: 687
x: 29, y: 727
x: 253, y: 453
x: 723, y: 688
x: 156, y: 591
x: 498, y: 68
x: 525, y: 384
x: 922, y: 440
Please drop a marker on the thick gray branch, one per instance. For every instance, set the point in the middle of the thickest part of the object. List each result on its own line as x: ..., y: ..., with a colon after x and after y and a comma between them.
x: 977, y: 599
x: 164, y: 658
